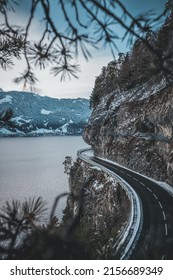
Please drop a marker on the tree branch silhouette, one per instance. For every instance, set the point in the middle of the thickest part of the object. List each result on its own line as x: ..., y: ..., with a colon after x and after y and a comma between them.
x: 87, y: 24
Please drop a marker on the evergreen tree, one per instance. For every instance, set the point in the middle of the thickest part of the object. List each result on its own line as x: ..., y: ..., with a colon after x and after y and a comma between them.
x: 6, y: 115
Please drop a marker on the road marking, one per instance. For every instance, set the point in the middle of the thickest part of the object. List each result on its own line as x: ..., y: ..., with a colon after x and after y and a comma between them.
x: 164, y: 216
x: 166, y: 229
x: 163, y: 212
x: 149, y: 189
x: 160, y: 205
x: 135, y: 179
x: 163, y: 256
x: 129, y: 175
x: 155, y: 196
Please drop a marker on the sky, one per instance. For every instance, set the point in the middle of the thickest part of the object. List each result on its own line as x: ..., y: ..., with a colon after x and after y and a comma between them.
x: 81, y: 87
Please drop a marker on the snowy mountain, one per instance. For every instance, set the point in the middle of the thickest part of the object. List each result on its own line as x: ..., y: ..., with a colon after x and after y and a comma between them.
x: 28, y: 114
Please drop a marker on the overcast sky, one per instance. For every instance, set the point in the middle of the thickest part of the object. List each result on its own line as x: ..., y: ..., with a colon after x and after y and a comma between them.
x: 82, y: 87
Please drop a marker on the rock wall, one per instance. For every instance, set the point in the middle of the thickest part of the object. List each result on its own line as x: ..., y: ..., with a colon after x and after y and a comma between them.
x: 132, y: 124
x: 105, y: 209
x: 136, y: 133
x: 132, y: 101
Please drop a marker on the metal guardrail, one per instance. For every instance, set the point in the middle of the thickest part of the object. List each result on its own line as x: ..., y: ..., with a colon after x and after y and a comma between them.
x: 124, y: 245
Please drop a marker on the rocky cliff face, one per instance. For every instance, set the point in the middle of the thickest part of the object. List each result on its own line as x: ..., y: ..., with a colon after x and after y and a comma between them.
x: 132, y: 118
x: 131, y: 123
x: 105, y: 209
x: 135, y: 132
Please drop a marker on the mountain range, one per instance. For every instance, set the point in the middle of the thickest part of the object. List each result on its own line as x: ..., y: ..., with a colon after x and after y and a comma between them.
x: 29, y: 114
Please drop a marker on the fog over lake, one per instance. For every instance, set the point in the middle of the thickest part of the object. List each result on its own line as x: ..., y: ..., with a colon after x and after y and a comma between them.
x: 33, y: 167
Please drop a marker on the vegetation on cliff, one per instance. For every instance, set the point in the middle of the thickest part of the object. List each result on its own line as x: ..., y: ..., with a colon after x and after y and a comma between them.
x: 142, y: 63
x: 131, y: 122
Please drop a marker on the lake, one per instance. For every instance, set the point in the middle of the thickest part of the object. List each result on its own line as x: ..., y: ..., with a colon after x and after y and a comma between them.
x: 32, y: 166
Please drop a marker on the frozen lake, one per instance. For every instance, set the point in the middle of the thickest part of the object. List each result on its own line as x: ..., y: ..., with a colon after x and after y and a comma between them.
x: 33, y: 167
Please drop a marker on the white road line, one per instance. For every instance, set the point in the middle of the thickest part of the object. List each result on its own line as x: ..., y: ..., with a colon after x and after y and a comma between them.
x: 160, y: 205
x: 164, y: 216
x: 142, y: 184
x: 166, y: 229
x: 149, y: 189
x: 135, y: 179
x: 155, y: 196
x: 114, y: 168
x: 163, y: 256
x: 129, y: 175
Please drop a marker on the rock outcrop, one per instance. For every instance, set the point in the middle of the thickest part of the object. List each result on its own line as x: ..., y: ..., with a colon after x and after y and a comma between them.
x: 132, y: 124
x: 137, y: 133
x: 105, y: 209
x: 132, y: 118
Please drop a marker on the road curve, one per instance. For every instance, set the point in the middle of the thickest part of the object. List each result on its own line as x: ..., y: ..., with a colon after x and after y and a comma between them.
x: 156, y: 238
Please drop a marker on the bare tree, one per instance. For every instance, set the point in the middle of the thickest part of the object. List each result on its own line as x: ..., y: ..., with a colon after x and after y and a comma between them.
x: 87, y: 24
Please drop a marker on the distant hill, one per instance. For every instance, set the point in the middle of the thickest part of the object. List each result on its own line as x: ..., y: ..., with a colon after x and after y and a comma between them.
x: 29, y: 114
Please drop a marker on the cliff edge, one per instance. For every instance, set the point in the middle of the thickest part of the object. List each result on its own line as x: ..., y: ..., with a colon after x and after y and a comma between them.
x: 132, y: 101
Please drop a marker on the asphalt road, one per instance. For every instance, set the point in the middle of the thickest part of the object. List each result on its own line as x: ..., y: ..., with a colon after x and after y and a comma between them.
x: 156, y: 239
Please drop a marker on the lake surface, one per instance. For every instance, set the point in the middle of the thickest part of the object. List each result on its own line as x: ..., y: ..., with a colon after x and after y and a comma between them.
x: 33, y: 167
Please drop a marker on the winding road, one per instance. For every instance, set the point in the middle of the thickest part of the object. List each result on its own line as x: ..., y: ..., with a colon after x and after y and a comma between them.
x: 156, y: 238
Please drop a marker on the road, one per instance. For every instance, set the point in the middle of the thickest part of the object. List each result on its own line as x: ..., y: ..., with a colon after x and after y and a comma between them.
x: 156, y: 239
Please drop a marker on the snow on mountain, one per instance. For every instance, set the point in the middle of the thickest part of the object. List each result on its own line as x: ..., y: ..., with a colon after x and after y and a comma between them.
x: 6, y: 99
x: 32, y: 114
x: 45, y: 112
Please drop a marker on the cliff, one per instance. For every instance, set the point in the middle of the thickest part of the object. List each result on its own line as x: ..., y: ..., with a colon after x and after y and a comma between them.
x: 104, y: 213
x: 131, y: 123
x: 132, y: 101
x: 136, y: 133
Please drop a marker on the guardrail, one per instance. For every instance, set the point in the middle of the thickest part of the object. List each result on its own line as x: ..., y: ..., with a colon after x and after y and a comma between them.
x: 124, y: 245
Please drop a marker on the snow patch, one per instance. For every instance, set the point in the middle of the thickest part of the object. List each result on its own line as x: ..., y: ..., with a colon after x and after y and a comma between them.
x: 40, y: 131
x: 45, y: 112
x: 95, y: 168
x: 138, y: 93
x: 97, y: 185
x: 6, y: 99
x: 20, y: 120
x: 63, y: 128
x: 4, y: 131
